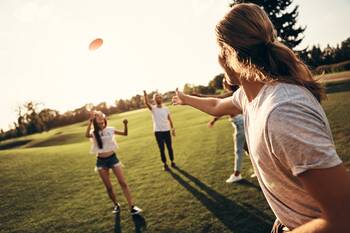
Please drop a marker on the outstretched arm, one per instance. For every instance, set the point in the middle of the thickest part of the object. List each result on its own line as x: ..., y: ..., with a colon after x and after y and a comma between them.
x: 146, y: 101
x: 331, y: 189
x: 125, y: 132
x: 88, y: 129
x: 213, y: 106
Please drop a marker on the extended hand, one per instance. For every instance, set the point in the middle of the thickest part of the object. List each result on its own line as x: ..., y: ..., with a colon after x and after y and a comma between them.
x: 178, y: 99
x: 125, y: 121
x: 211, y: 124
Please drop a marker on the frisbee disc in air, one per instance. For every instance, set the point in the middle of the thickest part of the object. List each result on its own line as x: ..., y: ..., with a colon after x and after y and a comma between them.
x: 95, y: 44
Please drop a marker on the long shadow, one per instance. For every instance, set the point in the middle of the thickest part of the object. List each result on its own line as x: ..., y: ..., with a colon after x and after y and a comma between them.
x: 139, y: 222
x: 247, y: 183
x: 233, y: 216
x: 117, y: 226
x: 338, y: 87
x: 12, y: 145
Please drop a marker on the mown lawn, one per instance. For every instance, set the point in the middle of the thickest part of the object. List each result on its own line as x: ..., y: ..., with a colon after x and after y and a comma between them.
x: 48, y: 184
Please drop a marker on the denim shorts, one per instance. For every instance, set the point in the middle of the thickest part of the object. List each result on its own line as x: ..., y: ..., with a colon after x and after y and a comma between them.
x: 109, y: 162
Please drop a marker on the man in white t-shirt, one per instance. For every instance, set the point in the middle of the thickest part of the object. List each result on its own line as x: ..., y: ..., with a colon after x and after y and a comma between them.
x: 162, y: 124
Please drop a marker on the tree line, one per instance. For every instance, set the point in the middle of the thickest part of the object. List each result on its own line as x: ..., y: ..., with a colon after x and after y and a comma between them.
x: 30, y: 119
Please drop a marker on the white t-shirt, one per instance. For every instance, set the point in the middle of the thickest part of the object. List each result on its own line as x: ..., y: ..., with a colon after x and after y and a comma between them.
x: 287, y: 133
x: 108, y: 141
x: 160, y: 118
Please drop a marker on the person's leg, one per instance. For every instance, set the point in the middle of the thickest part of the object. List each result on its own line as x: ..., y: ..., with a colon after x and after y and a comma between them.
x: 104, y: 174
x: 160, y: 142
x: 239, y: 146
x: 167, y: 138
x: 117, y: 170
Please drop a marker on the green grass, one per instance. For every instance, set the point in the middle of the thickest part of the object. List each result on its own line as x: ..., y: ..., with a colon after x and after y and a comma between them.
x: 49, y: 184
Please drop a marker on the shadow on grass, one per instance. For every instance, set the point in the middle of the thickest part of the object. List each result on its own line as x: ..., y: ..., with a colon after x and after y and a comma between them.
x: 117, y: 226
x: 247, y: 183
x: 139, y: 222
x: 338, y: 87
x: 236, y: 218
x: 59, y: 139
x: 12, y: 145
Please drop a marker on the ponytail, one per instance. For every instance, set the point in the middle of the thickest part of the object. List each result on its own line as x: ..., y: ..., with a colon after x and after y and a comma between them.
x: 248, y: 37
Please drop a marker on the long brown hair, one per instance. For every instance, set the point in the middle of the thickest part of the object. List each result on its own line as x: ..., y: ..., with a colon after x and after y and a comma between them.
x: 97, y: 132
x: 249, y: 41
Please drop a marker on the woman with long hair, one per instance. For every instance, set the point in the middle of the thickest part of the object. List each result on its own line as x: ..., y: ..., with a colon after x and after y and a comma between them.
x: 104, y: 146
x: 288, y: 135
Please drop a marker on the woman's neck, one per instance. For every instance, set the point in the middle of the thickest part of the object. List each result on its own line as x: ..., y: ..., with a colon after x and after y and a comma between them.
x: 251, y: 88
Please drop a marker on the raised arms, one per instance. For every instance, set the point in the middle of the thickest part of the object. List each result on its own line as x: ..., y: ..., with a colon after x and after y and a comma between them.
x: 146, y: 101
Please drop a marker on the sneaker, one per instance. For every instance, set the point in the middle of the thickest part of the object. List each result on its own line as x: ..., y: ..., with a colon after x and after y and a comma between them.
x: 116, y: 209
x: 135, y: 210
x: 253, y: 175
x: 173, y: 165
x: 165, y: 167
x: 234, y: 178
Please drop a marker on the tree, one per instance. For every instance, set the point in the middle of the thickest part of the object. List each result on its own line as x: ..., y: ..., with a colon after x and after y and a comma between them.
x: 283, y: 19
x: 216, y: 83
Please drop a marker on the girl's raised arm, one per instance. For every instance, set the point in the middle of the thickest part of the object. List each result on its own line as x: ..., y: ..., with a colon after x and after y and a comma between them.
x: 91, y: 118
x: 125, y: 132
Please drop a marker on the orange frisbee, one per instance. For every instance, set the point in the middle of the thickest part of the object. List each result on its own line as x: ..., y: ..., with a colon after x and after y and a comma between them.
x: 95, y: 44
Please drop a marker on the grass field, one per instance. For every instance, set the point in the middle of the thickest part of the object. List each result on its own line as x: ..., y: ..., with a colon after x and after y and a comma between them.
x: 48, y: 183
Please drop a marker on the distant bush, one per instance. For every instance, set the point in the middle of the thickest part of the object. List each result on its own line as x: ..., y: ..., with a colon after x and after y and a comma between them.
x: 332, y: 68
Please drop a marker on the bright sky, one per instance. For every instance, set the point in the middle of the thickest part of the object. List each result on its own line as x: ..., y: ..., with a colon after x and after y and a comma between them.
x: 156, y: 44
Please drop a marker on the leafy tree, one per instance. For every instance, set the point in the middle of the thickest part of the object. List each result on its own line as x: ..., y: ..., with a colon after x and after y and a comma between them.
x: 216, y: 83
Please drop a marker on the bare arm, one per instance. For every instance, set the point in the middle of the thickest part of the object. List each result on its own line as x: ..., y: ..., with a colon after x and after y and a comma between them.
x: 125, y: 132
x: 331, y: 189
x: 88, y: 129
x: 171, y: 125
x: 212, y: 106
x: 146, y: 101
x: 170, y: 121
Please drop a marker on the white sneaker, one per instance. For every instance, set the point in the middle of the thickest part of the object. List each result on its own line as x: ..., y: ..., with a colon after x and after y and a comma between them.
x: 234, y: 178
x: 135, y: 210
x: 253, y: 175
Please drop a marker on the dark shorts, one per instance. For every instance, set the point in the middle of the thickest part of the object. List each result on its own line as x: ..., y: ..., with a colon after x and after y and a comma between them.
x: 109, y: 162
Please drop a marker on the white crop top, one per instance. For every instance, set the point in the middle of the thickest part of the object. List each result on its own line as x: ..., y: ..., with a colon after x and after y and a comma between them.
x: 108, y: 141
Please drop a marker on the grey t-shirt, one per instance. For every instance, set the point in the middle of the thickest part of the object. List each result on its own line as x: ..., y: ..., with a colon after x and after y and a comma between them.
x: 287, y: 133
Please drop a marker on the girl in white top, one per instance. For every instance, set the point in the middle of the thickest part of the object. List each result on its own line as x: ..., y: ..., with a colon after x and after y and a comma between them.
x: 104, y: 146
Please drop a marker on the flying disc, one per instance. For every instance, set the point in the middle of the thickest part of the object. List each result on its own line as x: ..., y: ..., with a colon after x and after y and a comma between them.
x: 95, y: 44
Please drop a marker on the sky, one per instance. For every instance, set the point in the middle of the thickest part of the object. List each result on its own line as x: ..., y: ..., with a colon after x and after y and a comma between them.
x: 148, y: 45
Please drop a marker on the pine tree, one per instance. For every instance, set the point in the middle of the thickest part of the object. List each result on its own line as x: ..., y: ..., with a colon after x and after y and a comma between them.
x: 283, y: 19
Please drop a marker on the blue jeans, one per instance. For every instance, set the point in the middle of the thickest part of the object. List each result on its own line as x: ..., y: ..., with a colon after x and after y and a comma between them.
x: 239, y: 140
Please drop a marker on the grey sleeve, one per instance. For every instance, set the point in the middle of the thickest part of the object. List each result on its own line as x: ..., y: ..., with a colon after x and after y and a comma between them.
x: 299, y: 137
x: 237, y: 99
